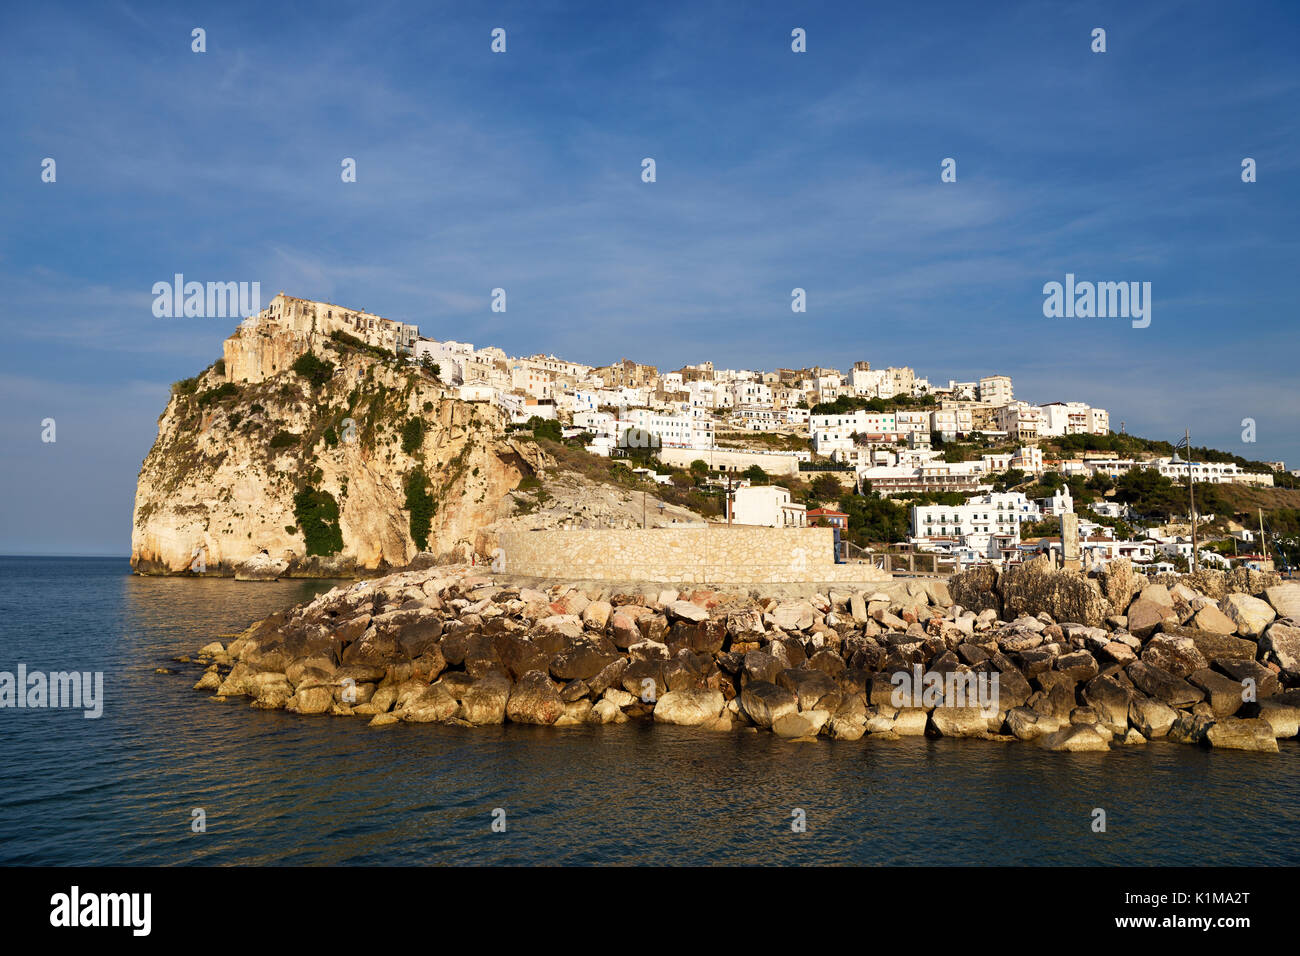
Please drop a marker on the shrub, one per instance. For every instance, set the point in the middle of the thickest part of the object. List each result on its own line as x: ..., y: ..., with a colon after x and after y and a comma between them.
x: 318, y: 517
x: 315, y: 370
x: 283, y: 439
x: 421, y: 506
x: 412, y: 435
x: 219, y: 394
x: 547, y: 428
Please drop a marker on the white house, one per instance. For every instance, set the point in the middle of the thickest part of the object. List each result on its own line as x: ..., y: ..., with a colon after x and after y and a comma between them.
x: 987, y: 525
x: 767, y: 505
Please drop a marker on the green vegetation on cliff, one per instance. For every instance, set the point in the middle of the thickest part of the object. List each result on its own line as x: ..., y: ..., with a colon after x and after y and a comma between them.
x: 421, y: 506
x: 412, y: 435
x: 318, y: 517
x: 315, y: 370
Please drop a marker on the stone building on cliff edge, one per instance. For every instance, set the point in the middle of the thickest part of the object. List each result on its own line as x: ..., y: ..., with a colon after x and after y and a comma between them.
x: 270, y: 340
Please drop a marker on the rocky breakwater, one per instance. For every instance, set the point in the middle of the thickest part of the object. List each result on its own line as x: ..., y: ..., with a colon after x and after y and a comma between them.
x: 1193, y: 660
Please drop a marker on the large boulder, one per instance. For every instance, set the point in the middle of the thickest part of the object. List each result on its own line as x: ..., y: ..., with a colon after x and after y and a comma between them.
x: 1282, y: 714
x: 1250, y: 614
x: 1265, y: 681
x: 596, y: 614
x: 689, y: 707
x: 432, y: 705
x: 762, y: 666
x: 484, y: 701
x: 1189, y: 729
x: 794, y: 615
x: 1076, y: 738
x: 959, y: 722
x: 311, y: 700
x: 1146, y: 614
x: 814, y: 688
x: 1028, y: 724
x: 1285, y: 599
x: 1241, y: 733
x: 581, y: 660
x: 534, y: 700
x: 1178, y: 655
x: 1035, y: 587
x: 1215, y: 647
x: 1151, y: 717
x: 1163, y: 686
x: 808, y: 723
x: 1118, y: 583
x: 1110, y: 699
x: 1210, y: 618
x: 976, y: 589
x: 624, y: 631
x: 911, y: 722
x: 1222, y: 693
x: 765, y: 703
x: 1282, y: 643
x: 686, y: 611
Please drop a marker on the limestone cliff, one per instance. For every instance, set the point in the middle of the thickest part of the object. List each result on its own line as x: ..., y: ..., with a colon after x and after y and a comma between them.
x: 317, y: 455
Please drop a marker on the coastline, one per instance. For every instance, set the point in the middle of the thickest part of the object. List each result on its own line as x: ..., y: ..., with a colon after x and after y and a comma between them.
x: 459, y: 645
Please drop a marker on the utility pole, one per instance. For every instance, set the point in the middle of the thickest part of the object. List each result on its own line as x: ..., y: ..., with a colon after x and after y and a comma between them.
x: 1191, y: 497
x: 1265, y: 562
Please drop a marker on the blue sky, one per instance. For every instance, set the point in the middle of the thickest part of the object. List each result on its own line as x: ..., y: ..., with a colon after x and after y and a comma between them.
x: 522, y: 170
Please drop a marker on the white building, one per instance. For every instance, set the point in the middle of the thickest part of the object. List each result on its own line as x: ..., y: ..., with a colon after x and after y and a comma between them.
x: 1020, y: 420
x: 668, y: 430
x: 996, y: 390
x: 767, y: 505
x: 835, y: 432
x: 988, y: 525
x: 1210, y: 471
x: 1073, y: 418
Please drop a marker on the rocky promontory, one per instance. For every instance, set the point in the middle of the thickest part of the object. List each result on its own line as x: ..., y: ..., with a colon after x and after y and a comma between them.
x: 1074, y: 662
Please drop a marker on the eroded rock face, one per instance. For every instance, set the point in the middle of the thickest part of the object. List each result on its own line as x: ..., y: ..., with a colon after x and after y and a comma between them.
x: 976, y: 589
x: 216, y: 493
x: 1067, y: 596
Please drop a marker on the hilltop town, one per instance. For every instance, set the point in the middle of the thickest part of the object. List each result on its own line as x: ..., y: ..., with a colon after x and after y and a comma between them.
x: 981, y: 476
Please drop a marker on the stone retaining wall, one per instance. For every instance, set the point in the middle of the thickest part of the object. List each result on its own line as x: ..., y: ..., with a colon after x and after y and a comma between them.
x: 710, y: 555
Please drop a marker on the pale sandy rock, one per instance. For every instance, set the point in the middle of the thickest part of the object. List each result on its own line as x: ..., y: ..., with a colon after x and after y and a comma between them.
x: 1251, y: 614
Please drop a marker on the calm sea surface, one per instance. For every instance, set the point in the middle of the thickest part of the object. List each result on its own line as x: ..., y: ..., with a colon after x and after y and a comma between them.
x: 278, y: 788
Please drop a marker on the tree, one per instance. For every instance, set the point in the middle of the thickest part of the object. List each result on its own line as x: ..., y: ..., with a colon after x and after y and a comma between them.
x: 315, y: 370
x: 826, y: 487
x: 1008, y: 479
x: 872, y: 518
x: 545, y: 428
x: 1101, y: 482
x: 699, y: 467
x: 755, y: 474
x: 1150, y: 492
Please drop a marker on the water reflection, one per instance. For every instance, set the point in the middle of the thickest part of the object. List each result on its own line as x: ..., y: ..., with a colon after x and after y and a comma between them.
x: 278, y: 788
